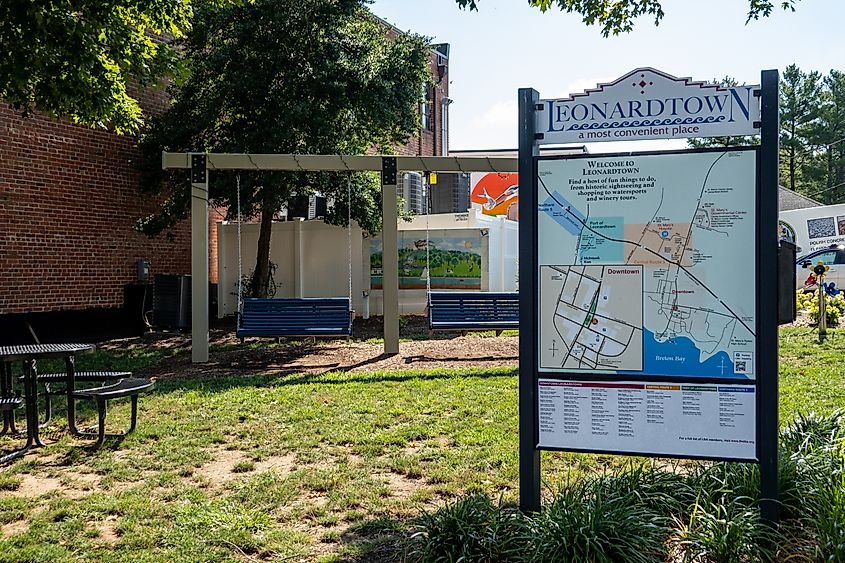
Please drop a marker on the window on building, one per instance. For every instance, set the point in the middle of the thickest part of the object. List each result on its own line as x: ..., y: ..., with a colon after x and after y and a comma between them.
x: 425, y: 109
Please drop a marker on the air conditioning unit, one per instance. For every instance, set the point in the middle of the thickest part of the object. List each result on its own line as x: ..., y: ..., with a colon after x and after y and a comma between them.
x: 172, y: 301
x: 306, y: 207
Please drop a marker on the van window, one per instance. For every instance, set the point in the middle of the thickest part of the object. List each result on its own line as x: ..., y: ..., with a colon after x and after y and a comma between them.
x: 827, y: 258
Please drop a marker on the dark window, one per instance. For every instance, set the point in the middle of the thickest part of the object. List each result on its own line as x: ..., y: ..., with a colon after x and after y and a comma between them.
x: 425, y: 109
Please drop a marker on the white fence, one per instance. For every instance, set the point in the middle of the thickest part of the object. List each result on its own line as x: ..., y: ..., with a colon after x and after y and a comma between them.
x: 312, y: 259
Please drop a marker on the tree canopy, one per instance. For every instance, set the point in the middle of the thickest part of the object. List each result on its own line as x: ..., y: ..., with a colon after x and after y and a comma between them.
x: 812, y: 133
x: 288, y: 76
x: 82, y: 59
x: 617, y: 16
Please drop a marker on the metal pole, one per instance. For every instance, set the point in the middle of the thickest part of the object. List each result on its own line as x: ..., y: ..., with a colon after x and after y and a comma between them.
x: 529, y: 455
x: 390, y: 255
x: 822, y: 308
x: 767, y: 321
x: 199, y: 258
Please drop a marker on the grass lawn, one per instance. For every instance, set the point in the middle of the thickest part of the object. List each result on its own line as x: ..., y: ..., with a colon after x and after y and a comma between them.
x: 300, y: 467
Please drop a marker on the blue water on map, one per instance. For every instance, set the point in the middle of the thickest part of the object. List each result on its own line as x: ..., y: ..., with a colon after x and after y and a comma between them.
x: 596, y: 246
x: 558, y: 208
x: 680, y: 357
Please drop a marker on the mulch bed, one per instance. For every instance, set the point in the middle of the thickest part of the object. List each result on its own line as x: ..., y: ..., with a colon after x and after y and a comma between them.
x: 439, y: 351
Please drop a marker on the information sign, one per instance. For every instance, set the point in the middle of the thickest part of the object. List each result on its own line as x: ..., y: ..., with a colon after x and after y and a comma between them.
x: 647, y: 275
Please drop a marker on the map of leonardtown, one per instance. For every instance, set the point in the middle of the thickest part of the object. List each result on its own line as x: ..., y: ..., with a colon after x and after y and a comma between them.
x: 597, y: 317
x: 647, y: 264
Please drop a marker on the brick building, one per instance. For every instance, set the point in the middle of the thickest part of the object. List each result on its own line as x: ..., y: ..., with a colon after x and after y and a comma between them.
x: 69, y: 198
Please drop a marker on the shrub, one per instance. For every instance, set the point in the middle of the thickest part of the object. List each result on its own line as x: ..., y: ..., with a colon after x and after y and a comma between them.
x: 804, y: 298
x: 471, y: 529
x: 834, y: 308
x: 725, y: 531
x: 584, y: 523
x: 662, y: 492
x: 810, y: 431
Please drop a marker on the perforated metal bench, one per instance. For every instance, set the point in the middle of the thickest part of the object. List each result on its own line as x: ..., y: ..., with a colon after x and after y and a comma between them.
x: 50, y: 379
x: 304, y: 317
x: 130, y: 387
x: 465, y: 311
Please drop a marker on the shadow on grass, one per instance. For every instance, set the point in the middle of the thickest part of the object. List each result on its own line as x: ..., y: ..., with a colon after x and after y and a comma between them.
x: 381, y: 540
x: 343, y: 378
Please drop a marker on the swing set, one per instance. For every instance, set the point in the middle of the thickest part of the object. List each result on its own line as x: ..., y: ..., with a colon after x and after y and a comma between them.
x: 199, y: 165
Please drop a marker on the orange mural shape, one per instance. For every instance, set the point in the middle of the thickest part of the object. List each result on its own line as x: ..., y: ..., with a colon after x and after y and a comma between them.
x: 498, y: 194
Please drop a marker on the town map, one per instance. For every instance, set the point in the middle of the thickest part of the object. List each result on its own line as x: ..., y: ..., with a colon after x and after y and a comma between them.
x: 647, y: 264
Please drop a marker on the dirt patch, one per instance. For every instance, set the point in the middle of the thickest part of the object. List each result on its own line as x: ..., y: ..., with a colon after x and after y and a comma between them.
x: 220, y: 470
x: 400, y: 485
x: 280, y: 464
x: 107, y: 529
x: 36, y: 485
x: 84, y: 481
x: 14, y: 528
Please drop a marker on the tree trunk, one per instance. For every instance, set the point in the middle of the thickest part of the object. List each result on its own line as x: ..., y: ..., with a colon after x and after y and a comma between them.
x: 261, y: 277
x: 792, y: 157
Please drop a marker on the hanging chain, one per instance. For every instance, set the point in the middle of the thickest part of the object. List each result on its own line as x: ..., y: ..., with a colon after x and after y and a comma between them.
x: 427, y: 186
x: 349, y: 229
x: 240, y: 262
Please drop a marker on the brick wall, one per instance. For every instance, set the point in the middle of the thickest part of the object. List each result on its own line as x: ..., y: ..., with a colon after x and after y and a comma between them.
x: 68, y: 200
x: 69, y: 197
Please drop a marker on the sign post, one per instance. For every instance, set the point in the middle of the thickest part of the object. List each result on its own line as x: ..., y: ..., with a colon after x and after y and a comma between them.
x: 529, y: 455
x: 644, y: 276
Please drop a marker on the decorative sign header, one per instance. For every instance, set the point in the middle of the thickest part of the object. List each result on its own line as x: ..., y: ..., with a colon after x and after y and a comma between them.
x: 649, y: 104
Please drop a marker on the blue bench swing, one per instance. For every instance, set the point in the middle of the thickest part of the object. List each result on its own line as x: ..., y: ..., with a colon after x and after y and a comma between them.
x: 466, y: 311
x: 288, y: 316
x: 294, y: 316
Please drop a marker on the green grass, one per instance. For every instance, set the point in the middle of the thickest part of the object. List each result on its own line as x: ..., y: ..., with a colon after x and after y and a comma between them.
x: 328, y: 467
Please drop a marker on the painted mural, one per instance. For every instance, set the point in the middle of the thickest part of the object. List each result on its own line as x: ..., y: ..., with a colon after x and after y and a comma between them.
x: 451, y: 257
x: 497, y: 193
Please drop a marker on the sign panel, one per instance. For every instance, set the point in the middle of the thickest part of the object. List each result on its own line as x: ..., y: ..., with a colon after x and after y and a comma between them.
x: 671, y: 419
x: 650, y: 104
x: 647, y: 264
x: 647, y: 272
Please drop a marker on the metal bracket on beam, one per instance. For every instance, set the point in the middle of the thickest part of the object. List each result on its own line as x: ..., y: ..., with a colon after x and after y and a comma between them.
x: 539, y: 107
x: 757, y: 124
x: 199, y: 172
x: 539, y: 136
x: 388, y: 171
x: 757, y: 93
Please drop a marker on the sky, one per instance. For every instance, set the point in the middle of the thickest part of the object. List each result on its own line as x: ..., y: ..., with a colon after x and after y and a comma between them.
x: 507, y: 45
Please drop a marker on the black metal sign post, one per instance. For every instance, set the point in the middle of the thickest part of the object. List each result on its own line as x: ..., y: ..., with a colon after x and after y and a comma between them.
x: 529, y: 455
x: 767, y: 296
x: 766, y: 311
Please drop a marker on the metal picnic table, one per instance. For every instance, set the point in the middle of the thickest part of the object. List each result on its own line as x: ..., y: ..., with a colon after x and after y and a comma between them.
x: 29, y: 354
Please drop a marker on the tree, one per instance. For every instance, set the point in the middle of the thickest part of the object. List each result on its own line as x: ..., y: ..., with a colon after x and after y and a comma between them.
x: 82, y: 59
x: 829, y: 140
x: 800, y: 98
x: 287, y: 76
x: 617, y: 16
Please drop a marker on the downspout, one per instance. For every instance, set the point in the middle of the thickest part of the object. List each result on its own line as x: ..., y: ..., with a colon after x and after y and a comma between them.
x: 444, y: 125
